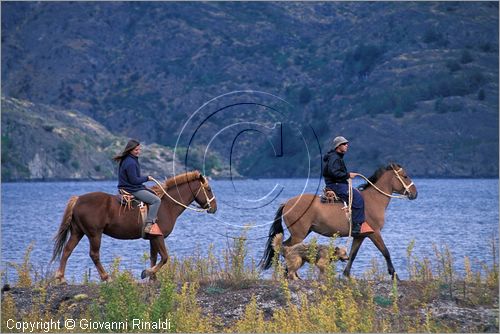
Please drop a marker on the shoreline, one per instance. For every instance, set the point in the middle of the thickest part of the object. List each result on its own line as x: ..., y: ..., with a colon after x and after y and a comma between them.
x: 56, y: 180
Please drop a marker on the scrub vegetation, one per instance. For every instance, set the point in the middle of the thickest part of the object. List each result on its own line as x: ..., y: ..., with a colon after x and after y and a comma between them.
x: 203, y: 293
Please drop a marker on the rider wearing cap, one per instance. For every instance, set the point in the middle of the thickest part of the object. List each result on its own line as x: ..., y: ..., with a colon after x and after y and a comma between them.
x: 336, y: 176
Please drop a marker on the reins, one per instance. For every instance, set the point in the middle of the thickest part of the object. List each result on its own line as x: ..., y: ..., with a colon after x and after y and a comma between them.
x: 349, y: 207
x: 407, y: 187
x: 202, y: 186
x: 350, y: 194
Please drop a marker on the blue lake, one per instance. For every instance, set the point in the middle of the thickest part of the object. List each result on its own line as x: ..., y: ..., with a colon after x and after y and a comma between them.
x: 459, y: 213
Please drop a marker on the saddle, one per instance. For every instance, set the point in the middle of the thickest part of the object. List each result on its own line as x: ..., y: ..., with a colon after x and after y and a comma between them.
x: 128, y: 201
x: 329, y: 196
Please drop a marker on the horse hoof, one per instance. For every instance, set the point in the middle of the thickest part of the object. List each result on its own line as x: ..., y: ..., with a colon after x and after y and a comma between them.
x: 60, y: 281
x: 144, y: 274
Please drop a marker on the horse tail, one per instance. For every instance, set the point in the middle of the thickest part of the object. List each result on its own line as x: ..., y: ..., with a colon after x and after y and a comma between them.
x: 276, y: 228
x: 62, y: 235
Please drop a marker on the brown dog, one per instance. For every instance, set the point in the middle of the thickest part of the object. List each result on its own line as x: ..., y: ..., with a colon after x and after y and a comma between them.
x: 296, y: 255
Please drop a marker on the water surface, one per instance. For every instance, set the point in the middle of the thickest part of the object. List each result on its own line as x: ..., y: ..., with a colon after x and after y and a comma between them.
x: 461, y: 214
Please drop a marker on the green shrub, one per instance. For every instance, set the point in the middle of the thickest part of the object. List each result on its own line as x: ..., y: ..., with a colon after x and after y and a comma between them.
x: 396, y: 101
x: 466, y: 57
x: 24, y: 269
x: 481, y: 95
x: 475, y: 78
x: 163, y: 305
x: 196, y: 159
x: 121, y: 299
x: 253, y: 319
x: 431, y: 36
x: 362, y: 59
x: 64, y: 151
x: 487, y: 47
x: 235, y: 270
x: 312, y: 252
x: 305, y: 96
x: 453, y: 65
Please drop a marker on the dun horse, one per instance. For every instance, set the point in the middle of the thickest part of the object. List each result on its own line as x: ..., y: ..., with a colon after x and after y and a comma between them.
x: 305, y: 214
x: 96, y: 213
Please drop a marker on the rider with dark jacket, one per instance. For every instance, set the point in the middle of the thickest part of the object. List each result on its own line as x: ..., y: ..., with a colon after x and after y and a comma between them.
x: 129, y: 174
x: 335, y: 170
x: 336, y: 176
x: 130, y: 179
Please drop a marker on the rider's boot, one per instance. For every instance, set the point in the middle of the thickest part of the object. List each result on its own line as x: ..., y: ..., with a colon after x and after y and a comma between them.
x: 150, y: 227
x: 147, y: 226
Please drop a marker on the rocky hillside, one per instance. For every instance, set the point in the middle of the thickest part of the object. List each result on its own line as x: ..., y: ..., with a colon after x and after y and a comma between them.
x: 414, y: 82
x: 41, y: 143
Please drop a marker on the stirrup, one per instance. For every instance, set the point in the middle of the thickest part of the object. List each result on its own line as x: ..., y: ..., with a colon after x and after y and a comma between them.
x: 366, y: 229
x: 155, y: 230
x: 152, y: 228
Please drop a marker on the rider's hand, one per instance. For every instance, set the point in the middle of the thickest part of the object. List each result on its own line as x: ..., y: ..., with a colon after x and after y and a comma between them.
x: 150, y: 178
x: 353, y: 175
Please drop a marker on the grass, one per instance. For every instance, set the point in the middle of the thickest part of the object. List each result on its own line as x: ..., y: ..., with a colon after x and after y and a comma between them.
x: 171, y: 303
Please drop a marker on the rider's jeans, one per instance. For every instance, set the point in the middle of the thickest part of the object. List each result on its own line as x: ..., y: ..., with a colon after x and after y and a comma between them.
x: 358, y: 204
x: 154, y: 203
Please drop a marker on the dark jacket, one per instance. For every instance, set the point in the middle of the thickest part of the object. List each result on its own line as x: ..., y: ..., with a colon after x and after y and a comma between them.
x: 334, y: 169
x: 129, y: 174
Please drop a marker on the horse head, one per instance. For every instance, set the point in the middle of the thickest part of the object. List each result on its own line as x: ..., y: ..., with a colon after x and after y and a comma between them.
x: 204, y: 196
x: 401, y: 182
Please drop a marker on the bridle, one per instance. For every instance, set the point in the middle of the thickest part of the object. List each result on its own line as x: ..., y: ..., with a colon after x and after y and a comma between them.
x: 203, y: 186
x: 405, y: 194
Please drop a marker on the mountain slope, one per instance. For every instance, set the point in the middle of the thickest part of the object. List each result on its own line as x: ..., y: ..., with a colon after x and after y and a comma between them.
x: 42, y: 142
x: 141, y: 69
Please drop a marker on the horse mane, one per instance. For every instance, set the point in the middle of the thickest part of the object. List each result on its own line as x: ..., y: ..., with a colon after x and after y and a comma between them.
x: 377, y: 174
x: 177, y: 180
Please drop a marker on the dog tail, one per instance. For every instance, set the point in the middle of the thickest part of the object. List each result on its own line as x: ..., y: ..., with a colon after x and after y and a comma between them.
x: 276, y: 228
x: 277, y: 242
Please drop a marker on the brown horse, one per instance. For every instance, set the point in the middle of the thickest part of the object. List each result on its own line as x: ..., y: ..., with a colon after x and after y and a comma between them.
x: 304, y: 214
x: 96, y: 213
